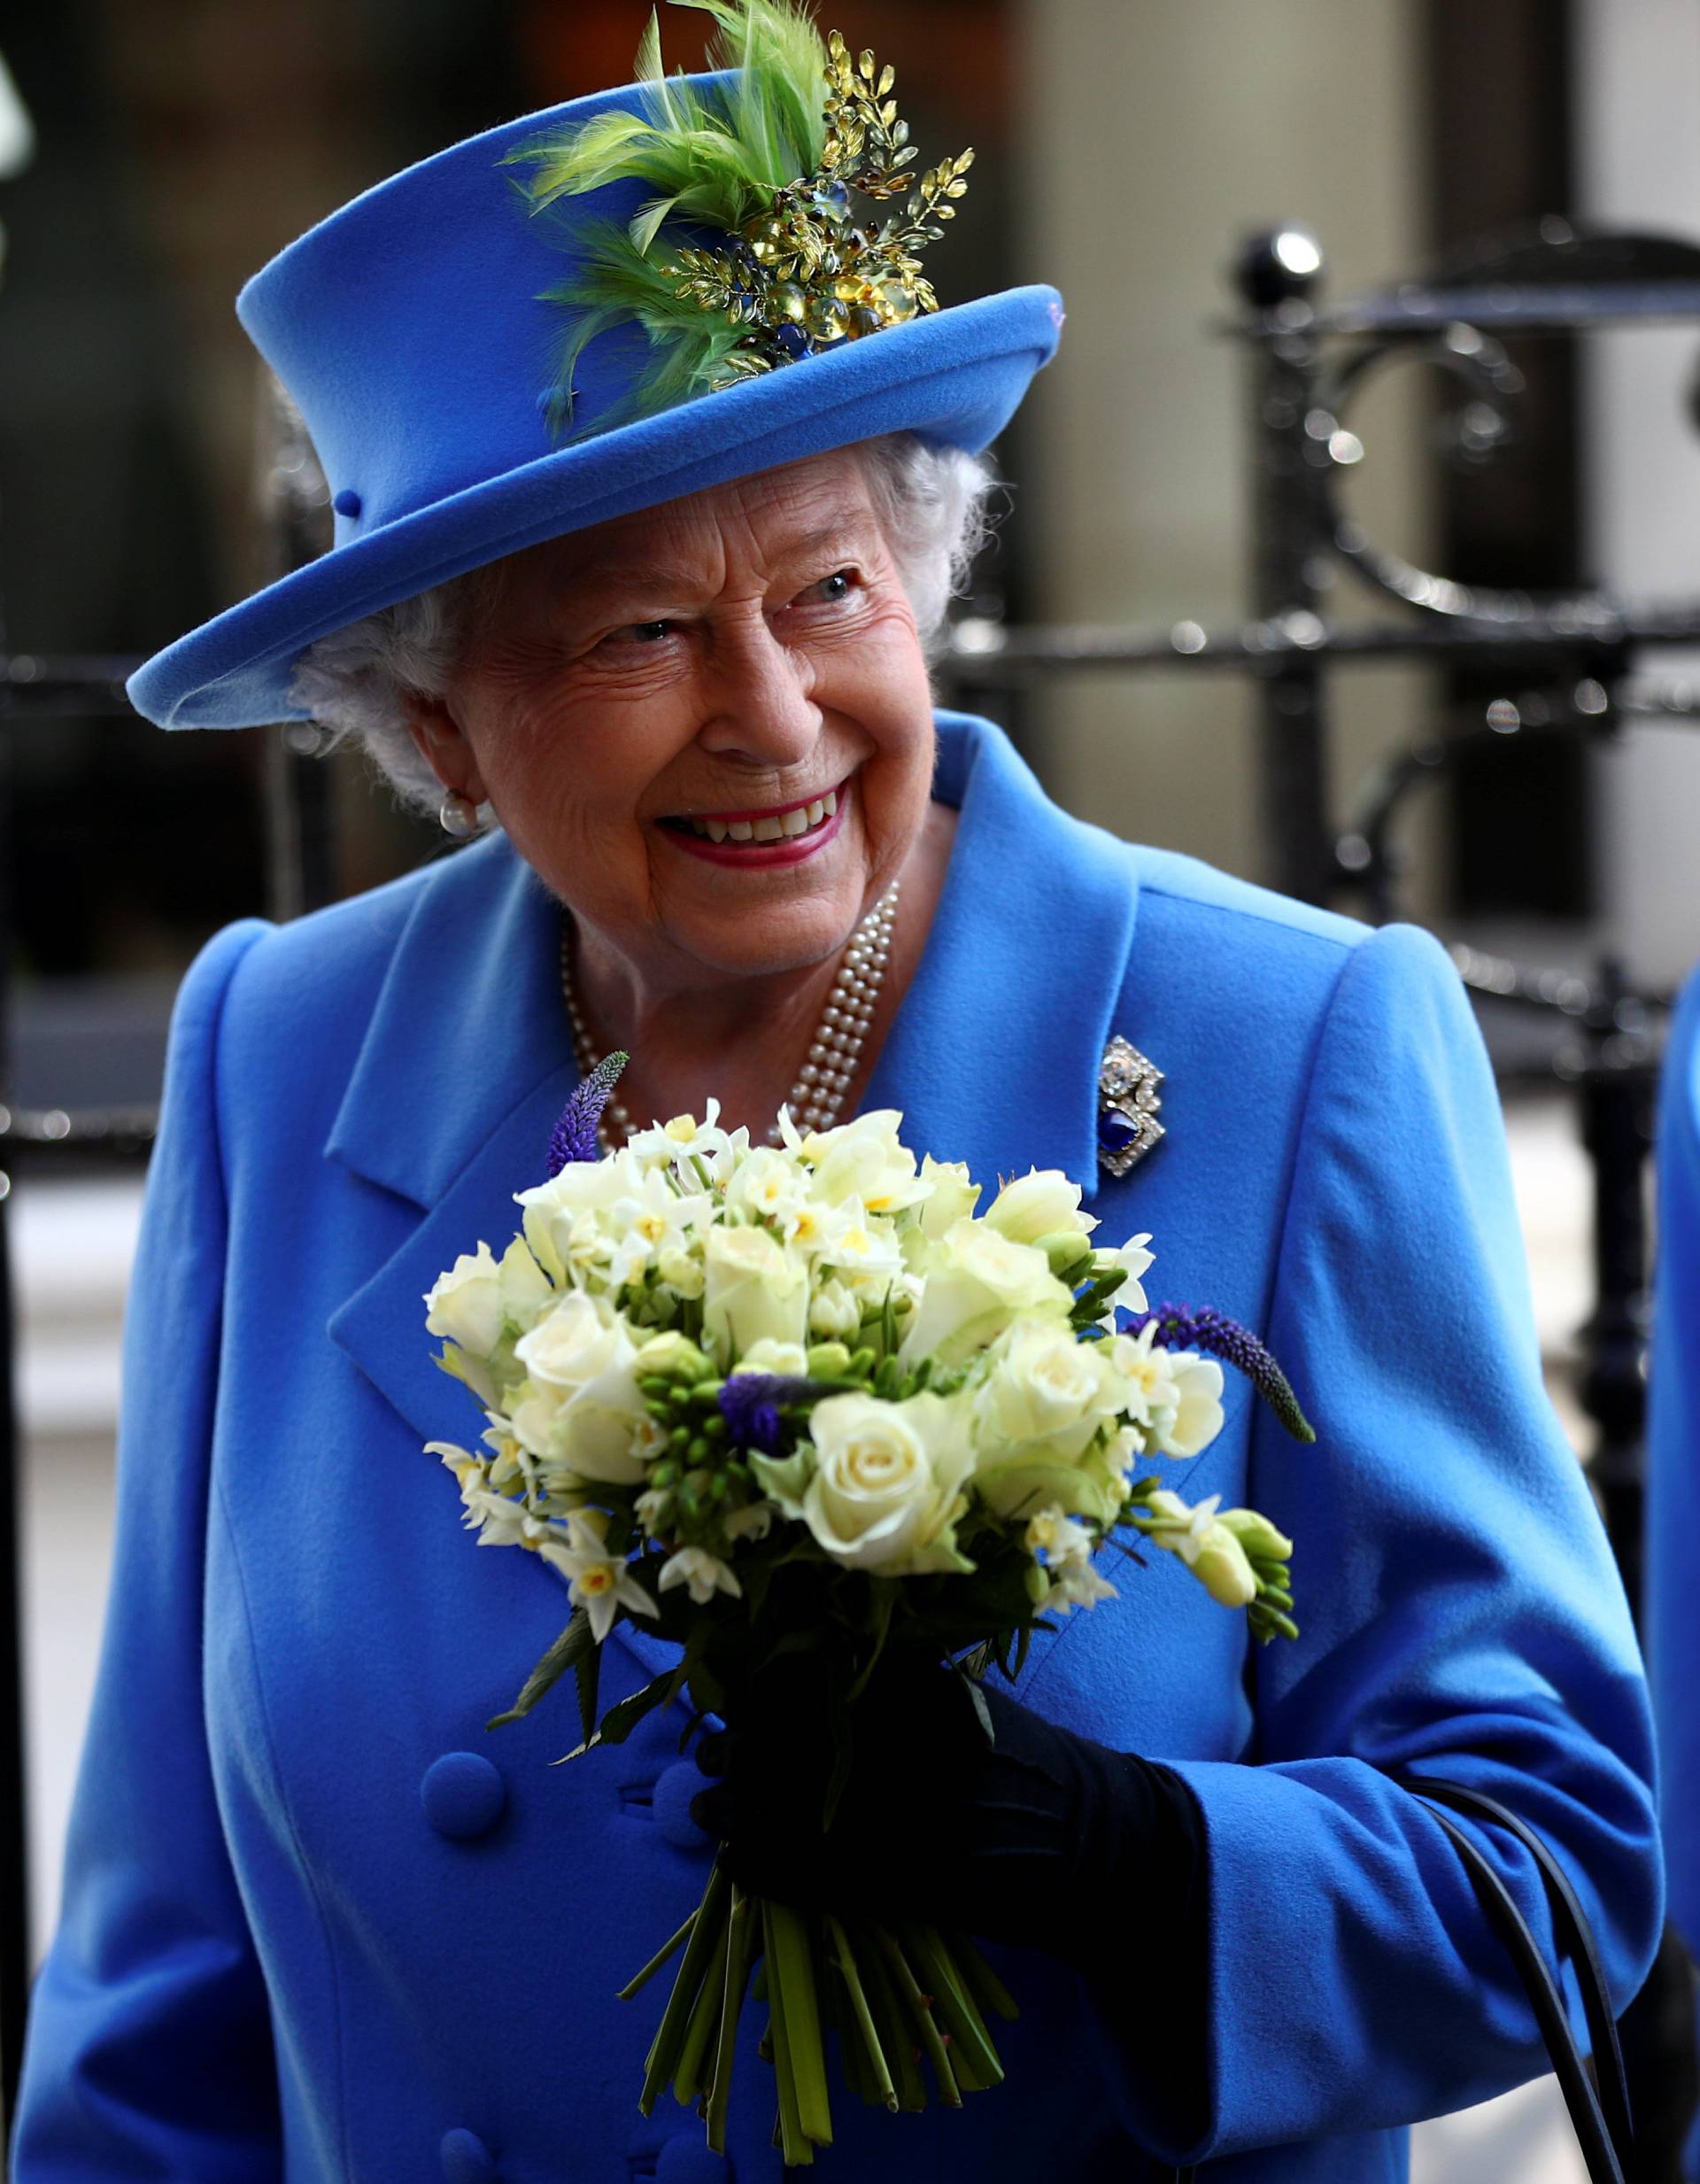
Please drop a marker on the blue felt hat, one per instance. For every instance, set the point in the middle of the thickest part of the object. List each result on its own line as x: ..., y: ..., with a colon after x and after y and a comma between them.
x: 412, y: 331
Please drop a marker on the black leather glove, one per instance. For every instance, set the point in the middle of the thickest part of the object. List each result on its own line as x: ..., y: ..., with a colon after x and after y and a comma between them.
x: 1035, y: 1836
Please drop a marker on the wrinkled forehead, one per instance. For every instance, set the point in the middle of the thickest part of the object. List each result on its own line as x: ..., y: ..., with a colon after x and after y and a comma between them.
x: 765, y: 524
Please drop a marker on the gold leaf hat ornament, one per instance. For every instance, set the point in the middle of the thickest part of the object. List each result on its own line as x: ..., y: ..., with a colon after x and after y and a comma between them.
x: 507, y: 342
x: 776, y: 155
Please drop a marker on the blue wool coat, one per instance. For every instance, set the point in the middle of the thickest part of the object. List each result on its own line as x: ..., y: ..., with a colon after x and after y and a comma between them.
x: 1672, y: 1602
x: 319, y: 1924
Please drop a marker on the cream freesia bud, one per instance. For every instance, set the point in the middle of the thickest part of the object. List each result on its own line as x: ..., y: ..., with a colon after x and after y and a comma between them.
x: 671, y: 1356
x: 1068, y: 1254
x: 1220, y: 1566
x: 1034, y: 1207
x: 1256, y: 1535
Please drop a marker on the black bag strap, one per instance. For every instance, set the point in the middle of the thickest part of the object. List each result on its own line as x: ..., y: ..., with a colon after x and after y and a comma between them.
x: 1586, y: 2115
x: 1575, y: 1939
x: 1602, y: 2120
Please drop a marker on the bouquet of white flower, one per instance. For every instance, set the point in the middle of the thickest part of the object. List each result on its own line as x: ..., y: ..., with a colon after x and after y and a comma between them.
x: 804, y: 1396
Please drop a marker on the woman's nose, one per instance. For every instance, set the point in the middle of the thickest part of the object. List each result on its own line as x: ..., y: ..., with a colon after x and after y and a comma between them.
x: 760, y: 702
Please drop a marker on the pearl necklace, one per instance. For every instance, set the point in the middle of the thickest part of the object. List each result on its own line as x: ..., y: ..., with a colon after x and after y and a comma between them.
x: 834, y: 1053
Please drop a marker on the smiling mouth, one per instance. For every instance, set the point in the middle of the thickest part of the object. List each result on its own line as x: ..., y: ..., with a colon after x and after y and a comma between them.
x: 787, y: 823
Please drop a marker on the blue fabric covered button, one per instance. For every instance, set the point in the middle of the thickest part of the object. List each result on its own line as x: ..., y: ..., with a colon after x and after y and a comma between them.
x: 674, y: 1787
x: 463, y: 1795
x: 465, y: 2158
x: 688, y: 2160
x: 347, y: 502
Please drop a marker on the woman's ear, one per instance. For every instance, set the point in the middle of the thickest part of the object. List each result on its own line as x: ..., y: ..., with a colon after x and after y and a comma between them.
x: 444, y: 747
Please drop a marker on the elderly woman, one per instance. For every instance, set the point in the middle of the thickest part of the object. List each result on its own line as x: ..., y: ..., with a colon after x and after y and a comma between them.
x: 665, y: 639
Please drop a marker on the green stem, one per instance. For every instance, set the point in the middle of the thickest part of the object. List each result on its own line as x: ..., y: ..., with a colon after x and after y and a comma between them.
x: 984, y: 1984
x: 920, y: 2009
x: 970, y: 2041
x: 895, y: 2037
x: 795, y: 2148
x: 658, y: 1960
x: 844, y: 1956
x: 704, y: 2019
x: 797, y: 2014
x: 664, y: 2049
x: 742, y: 1927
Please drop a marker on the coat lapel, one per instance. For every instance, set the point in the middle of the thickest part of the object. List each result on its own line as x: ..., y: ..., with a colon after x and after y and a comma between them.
x: 464, y: 1068
x: 995, y: 1053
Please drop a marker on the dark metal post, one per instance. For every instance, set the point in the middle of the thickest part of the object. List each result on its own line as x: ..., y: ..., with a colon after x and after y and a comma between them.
x: 15, y: 1951
x: 1276, y: 274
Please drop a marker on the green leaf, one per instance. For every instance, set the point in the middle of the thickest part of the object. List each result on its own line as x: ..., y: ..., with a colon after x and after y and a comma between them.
x: 621, y: 1719
x: 587, y: 1670
x: 573, y: 1643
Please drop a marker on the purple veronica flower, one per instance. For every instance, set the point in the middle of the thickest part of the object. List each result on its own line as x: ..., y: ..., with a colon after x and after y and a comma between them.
x: 750, y: 1403
x: 1179, y: 1327
x: 575, y: 1135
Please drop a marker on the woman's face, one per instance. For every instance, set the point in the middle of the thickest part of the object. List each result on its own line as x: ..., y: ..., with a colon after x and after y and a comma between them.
x: 708, y: 726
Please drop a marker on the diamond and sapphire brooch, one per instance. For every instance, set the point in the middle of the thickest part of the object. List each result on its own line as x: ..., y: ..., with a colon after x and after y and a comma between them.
x: 1128, y: 1088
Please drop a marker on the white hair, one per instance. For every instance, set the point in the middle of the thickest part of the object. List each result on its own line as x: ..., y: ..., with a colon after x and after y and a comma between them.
x: 932, y: 503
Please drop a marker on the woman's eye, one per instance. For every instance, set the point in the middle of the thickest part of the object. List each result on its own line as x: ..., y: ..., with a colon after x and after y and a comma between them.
x: 643, y: 633
x: 831, y: 590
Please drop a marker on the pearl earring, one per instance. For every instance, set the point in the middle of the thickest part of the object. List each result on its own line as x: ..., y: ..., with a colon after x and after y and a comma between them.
x: 458, y: 816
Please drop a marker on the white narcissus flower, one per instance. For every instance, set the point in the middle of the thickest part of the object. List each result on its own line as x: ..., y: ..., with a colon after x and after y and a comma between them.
x: 1174, y: 1395
x: 1054, y: 1536
x: 581, y: 1404
x: 977, y: 1283
x: 597, y: 1582
x: 1136, y: 1260
x: 755, y: 1521
x: 885, y: 1487
x: 1065, y: 1549
x: 705, y: 1575
x: 768, y: 1186
x: 465, y: 1305
x: 752, y: 1289
x: 864, y: 1253
x: 1042, y: 1202
x: 653, y: 1219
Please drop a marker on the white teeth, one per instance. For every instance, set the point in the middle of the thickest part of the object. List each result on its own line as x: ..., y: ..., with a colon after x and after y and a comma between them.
x: 717, y: 829
x: 795, y: 822
x: 767, y: 830
x: 829, y: 802
x: 816, y: 812
x: 740, y: 830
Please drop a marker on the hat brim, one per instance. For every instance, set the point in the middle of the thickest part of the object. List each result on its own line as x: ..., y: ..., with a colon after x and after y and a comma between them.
x: 955, y: 376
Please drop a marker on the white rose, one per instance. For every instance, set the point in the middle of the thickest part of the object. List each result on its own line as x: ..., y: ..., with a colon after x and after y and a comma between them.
x: 583, y: 1187
x: 582, y: 1404
x: 977, y: 1282
x: 465, y: 1305
x: 887, y: 1488
x: 1046, y: 1390
x: 1041, y: 1203
x: 753, y: 1288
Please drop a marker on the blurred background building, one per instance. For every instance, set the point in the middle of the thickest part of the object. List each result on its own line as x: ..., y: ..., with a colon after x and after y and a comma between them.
x: 1128, y: 149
